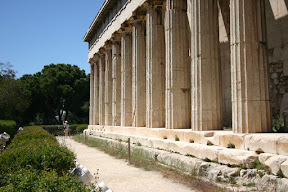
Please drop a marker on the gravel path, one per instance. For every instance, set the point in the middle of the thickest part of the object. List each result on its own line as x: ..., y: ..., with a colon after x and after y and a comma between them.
x: 119, y: 176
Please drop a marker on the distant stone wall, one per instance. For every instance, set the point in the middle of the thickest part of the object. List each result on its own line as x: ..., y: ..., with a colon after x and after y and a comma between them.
x: 277, y: 34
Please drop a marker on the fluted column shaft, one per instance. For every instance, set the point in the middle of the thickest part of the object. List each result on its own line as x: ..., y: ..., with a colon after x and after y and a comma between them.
x: 178, y: 114
x: 206, y: 96
x: 138, y: 75
x: 108, y: 86
x: 102, y: 89
x: 126, y: 79
x: 96, y: 95
x: 155, y: 68
x: 249, y: 77
x: 116, y: 78
x: 91, y: 109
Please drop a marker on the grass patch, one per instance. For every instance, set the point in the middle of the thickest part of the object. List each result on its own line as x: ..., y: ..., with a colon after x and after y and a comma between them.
x: 177, y: 138
x: 249, y: 184
x: 141, y: 160
x: 231, y: 146
x: 207, y: 159
x: 209, y: 143
x: 280, y: 174
x: 259, y: 166
x: 189, y: 155
x: 261, y: 174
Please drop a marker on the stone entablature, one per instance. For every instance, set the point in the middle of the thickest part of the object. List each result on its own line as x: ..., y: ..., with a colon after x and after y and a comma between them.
x: 115, y: 24
x: 186, y: 64
x: 108, y: 11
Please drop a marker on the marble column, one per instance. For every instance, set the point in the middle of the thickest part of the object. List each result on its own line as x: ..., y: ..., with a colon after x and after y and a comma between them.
x: 116, y: 78
x: 91, y: 109
x: 155, y: 67
x: 96, y: 95
x: 102, y: 89
x: 250, y: 82
x: 206, y: 92
x: 138, y: 74
x: 108, y: 85
x: 178, y: 105
x: 126, y: 78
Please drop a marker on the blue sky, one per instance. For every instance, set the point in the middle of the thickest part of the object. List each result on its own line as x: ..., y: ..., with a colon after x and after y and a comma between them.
x: 34, y: 33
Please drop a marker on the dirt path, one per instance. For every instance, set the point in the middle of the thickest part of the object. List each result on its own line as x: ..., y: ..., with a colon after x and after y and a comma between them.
x: 119, y: 176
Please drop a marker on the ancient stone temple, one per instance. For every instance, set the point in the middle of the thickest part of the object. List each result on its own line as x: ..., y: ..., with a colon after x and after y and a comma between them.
x: 200, y: 70
x: 188, y: 64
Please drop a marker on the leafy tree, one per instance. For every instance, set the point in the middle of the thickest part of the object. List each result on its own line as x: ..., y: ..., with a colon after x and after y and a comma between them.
x: 35, y: 110
x: 59, y: 88
x: 6, y: 71
x: 14, y: 99
x: 14, y: 96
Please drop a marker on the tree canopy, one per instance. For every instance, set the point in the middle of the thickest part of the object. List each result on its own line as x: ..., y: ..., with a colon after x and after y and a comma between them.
x: 14, y: 96
x: 6, y: 71
x: 58, y: 92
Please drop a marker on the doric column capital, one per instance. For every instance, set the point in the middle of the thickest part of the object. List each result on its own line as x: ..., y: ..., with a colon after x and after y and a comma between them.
x: 138, y: 18
x: 90, y: 61
x: 95, y: 57
x: 93, y: 60
x: 152, y: 3
x: 108, y: 45
x: 101, y: 52
x: 126, y: 28
x: 116, y: 38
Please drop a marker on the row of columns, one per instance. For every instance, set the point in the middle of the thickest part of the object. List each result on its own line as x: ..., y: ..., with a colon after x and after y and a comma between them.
x: 165, y: 71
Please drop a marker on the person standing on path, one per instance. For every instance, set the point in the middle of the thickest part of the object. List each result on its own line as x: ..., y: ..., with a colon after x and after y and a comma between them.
x: 66, y: 128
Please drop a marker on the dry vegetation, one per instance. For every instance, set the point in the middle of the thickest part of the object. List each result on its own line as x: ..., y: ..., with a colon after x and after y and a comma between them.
x: 138, y: 159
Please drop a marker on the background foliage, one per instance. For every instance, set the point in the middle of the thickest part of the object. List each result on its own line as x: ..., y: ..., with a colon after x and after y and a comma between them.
x: 60, y: 90
x: 8, y: 126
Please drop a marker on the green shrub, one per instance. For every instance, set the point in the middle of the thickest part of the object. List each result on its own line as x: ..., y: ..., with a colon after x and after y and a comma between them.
x: 54, y: 129
x: 280, y: 174
x: 259, y: 166
x: 81, y: 128
x: 8, y: 126
x: 42, y: 157
x: 59, y: 129
x: 231, y: 146
x: 177, y: 138
x: 34, y: 180
x: 37, y: 149
x: 30, y: 135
